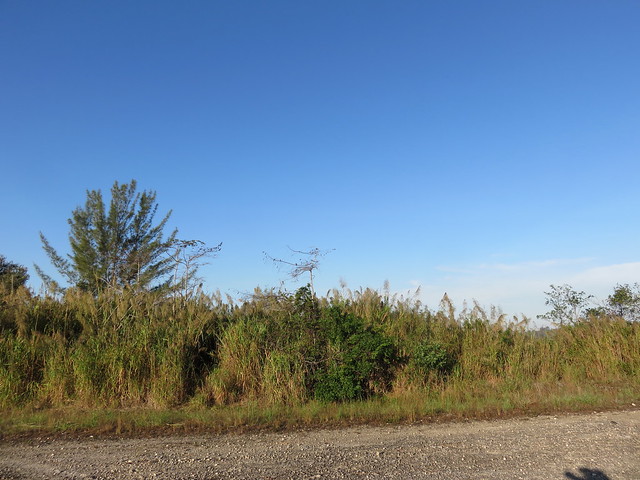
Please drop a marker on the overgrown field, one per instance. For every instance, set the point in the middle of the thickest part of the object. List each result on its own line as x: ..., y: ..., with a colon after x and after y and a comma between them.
x: 280, y: 358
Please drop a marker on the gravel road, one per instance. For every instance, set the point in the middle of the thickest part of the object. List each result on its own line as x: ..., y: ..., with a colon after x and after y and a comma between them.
x: 596, y: 446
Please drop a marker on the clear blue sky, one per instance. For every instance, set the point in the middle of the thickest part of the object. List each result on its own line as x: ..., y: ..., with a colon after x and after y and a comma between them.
x: 483, y: 149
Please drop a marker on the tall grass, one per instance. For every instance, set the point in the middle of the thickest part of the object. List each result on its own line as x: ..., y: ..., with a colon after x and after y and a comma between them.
x: 120, y: 349
x: 275, y: 350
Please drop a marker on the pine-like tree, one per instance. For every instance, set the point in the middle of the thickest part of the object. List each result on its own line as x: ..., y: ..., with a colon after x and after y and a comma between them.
x: 117, y: 248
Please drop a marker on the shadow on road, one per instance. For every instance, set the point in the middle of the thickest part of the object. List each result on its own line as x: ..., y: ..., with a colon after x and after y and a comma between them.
x: 587, y: 474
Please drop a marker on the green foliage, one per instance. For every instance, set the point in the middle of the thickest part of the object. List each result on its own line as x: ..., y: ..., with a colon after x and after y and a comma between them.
x: 567, y: 305
x: 625, y: 302
x: 306, y: 304
x: 433, y: 357
x: 12, y: 275
x: 360, y: 359
x: 115, y: 248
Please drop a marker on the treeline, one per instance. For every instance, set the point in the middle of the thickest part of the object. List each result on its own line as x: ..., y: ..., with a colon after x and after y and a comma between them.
x: 128, y: 348
x: 570, y: 306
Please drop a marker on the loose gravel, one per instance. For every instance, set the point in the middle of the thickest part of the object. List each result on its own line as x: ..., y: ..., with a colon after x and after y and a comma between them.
x: 596, y: 446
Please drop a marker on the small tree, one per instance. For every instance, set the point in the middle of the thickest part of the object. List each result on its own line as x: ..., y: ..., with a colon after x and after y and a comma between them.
x: 117, y: 248
x: 12, y: 275
x: 567, y: 305
x: 624, y: 302
x: 307, y: 263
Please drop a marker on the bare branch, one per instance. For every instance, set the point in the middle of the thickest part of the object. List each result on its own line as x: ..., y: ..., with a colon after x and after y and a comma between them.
x: 186, y: 256
x: 309, y: 262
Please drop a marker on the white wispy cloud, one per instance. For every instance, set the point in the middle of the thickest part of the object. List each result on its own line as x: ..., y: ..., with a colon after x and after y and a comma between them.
x: 518, y: 287
x: 514, y: 267
x: 601, y: 280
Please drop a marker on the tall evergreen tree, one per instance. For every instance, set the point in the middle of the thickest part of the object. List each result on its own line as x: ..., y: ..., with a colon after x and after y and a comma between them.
x: 117, y: 248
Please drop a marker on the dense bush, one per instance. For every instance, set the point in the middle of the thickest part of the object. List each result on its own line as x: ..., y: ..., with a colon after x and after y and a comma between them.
x: 360, y: 360
x: 331, y: 355
x: 433, y: 357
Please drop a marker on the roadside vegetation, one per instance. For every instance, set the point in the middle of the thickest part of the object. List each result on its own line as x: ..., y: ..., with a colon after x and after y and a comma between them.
x: 282, y: 359
x: 140, y: 346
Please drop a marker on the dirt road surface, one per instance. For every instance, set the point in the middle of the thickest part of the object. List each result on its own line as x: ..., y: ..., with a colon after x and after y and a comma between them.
x: 595, y: 446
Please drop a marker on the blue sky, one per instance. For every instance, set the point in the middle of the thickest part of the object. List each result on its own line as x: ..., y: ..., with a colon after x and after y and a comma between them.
x: 483, y: 149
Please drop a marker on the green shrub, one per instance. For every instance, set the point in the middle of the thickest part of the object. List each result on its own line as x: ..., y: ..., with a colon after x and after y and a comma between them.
x: 359, y: 362
x: 433, y: 357
x: 338, y: 384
